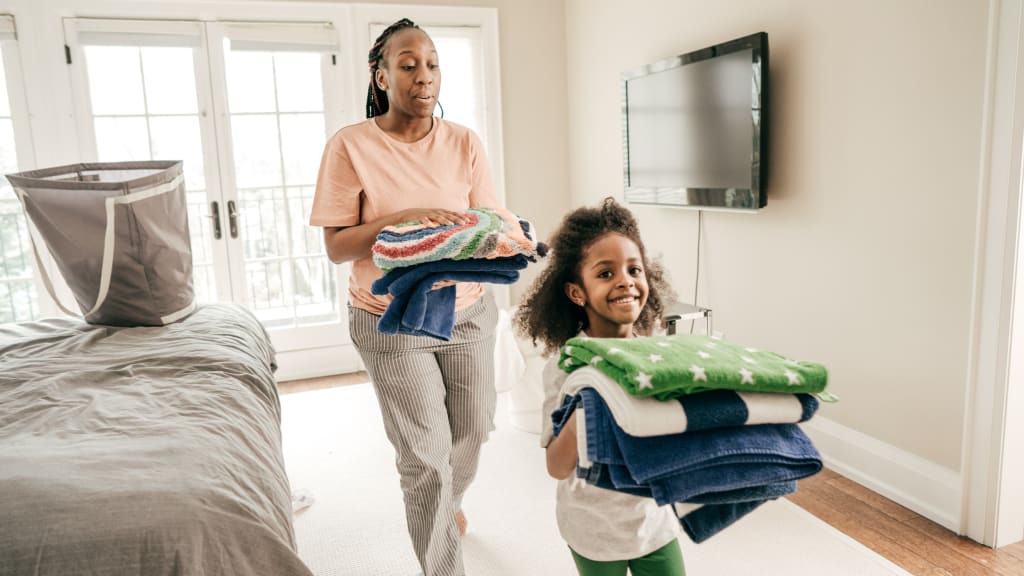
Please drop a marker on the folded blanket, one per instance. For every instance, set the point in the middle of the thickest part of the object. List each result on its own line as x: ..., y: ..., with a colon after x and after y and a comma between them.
x: 702, y: 521
x: 486, y: 233
x: 732, y: 468
x: 706, y: 515
x: 417, y: 308
x: 669, y: 366
x: 647, y: 416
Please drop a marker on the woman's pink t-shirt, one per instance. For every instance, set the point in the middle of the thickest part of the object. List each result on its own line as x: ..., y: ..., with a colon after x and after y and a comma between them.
x: 366, y: 174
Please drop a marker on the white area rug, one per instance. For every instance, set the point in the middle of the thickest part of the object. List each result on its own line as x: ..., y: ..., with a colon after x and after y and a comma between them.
x: 336, y: 451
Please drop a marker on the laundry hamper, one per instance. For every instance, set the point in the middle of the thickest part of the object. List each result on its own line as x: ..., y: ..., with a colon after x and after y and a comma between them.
x: 118, y: 232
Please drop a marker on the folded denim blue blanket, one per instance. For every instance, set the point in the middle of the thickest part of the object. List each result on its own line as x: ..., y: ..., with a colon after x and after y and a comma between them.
x: 691, y: 466
x: 706, y: 515
x: 648, y: 416
x: 419, y: 309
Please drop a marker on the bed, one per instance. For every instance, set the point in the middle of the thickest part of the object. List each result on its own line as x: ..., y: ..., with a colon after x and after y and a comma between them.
x: 144, y: 451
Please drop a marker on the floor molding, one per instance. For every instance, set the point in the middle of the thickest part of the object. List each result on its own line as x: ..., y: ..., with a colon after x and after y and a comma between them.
x: 921, y: 485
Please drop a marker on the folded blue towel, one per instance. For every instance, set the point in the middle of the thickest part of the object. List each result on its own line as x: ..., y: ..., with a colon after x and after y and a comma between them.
x: 417, y: 308
x: 729, y: 470
x: 706, y: 515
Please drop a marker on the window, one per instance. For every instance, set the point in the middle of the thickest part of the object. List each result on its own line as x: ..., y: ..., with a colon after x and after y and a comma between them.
x: 19, y: 293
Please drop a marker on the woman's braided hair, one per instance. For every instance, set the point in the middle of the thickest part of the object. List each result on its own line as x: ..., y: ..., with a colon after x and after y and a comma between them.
x: 546, y: 314
x: 376, y: 98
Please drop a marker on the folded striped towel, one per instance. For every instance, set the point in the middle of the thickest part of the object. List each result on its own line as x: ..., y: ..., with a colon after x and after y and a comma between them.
x: 487, y: 233
x: 647, y: 416
x: 669, y: 366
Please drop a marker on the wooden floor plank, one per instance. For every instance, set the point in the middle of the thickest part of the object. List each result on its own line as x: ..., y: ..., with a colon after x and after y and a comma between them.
x: 1003, y: 562
x: 869, y: 498
x: 921, y: 545
x: 872, y: 529
x: 305, y: 385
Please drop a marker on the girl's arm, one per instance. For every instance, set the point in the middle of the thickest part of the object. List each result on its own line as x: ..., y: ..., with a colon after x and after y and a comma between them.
x: 561, y: 452
x: 346, y: 243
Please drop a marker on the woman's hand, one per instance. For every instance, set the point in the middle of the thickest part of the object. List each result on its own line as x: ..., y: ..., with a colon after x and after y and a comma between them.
x: 353, y: 242
x: 432, y: 216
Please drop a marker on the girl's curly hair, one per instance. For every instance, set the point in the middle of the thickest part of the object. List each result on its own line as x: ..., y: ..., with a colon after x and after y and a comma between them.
x: 546, y: 314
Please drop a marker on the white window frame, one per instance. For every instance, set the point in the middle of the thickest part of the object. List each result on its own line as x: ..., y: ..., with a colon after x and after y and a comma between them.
x: 23, y: 145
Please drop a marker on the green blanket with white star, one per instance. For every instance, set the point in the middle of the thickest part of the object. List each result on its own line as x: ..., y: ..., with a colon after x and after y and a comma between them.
x: 670, y: 366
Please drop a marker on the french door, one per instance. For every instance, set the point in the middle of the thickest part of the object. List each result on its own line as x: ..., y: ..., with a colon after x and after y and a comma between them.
x: 242, y: 104
x: 19, y: 286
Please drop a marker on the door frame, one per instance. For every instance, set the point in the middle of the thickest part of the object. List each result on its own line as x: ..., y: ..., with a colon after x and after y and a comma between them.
x: 993, y: 441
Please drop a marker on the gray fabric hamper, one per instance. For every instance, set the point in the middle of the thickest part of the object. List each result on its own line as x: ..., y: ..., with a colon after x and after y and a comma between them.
x: 118, y: 232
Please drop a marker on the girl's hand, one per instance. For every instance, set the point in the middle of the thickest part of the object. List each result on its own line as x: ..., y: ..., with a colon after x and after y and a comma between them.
x: 570, y: 424
x: 432, y: 216
x: 561, y: 452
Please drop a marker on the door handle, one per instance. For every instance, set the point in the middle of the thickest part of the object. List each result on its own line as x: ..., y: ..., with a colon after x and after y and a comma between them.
x: 232, y: 219
x: 215, y: 215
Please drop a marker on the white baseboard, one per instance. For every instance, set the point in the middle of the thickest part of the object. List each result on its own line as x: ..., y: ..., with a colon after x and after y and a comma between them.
x: 921, y: 485
x: 317, y: 362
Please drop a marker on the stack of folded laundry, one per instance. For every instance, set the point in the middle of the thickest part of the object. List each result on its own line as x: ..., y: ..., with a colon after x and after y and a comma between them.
x: 421, y: 264
x: 705, y: 425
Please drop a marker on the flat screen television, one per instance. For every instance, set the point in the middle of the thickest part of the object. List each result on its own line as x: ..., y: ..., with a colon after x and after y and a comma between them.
x: 695, y: 128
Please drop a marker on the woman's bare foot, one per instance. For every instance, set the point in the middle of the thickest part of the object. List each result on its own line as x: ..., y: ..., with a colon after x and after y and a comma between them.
x: 460, y: 520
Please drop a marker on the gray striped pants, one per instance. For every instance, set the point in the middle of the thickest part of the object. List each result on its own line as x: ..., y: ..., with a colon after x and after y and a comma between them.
x: 437, y: 400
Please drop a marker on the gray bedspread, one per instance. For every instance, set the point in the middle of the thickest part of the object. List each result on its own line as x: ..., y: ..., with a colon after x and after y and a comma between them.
x: 142, y: 451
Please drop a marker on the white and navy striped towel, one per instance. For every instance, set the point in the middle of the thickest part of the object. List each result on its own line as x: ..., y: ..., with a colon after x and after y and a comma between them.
x: 647, y: 416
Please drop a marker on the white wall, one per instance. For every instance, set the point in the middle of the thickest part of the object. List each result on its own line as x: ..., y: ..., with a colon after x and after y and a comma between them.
x: 863, y: 258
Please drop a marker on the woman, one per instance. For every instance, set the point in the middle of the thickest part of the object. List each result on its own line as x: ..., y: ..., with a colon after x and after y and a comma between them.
x: 436, y: 397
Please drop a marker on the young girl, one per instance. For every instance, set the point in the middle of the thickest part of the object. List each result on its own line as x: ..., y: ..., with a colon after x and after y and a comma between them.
x: 599, y: 283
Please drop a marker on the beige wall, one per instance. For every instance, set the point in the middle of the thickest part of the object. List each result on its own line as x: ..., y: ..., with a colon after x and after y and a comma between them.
x: 863, y: 258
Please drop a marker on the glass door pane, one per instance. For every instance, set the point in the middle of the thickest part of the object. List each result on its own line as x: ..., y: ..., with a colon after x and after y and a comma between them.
x: 276, y: 110
x: 19, y: 298
x: 144, y: 106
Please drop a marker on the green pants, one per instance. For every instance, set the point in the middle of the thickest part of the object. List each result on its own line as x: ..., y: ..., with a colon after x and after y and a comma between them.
x: 665, y: 561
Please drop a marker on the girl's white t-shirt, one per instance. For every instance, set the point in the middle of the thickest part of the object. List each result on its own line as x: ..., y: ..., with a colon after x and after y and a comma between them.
x: 598, y: 523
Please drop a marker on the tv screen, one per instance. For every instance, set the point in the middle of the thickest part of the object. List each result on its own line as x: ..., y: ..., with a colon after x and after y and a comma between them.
x: 695, y: 127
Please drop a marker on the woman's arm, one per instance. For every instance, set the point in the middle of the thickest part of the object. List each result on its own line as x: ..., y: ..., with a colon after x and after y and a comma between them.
x: 346, y: 243
x: 561, y: 452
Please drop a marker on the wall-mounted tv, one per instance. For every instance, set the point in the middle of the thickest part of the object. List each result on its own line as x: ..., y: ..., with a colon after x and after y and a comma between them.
x: 695, y: 128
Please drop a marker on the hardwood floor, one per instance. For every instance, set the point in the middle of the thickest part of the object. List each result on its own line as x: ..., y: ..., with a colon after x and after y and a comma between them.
x: 909, y: 540
x: 293, y: 386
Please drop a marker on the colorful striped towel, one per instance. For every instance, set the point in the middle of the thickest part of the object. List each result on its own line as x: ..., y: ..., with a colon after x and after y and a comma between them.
x: 487, y: 233
x: 669, y: 366
x: 647, y: 416
x: 420, y: 309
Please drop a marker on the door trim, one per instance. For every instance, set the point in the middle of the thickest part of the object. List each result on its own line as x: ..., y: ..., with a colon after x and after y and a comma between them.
x: 992, y: 459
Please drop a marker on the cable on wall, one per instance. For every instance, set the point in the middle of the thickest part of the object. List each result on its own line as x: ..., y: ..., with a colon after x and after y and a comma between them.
x: 696, y: 275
